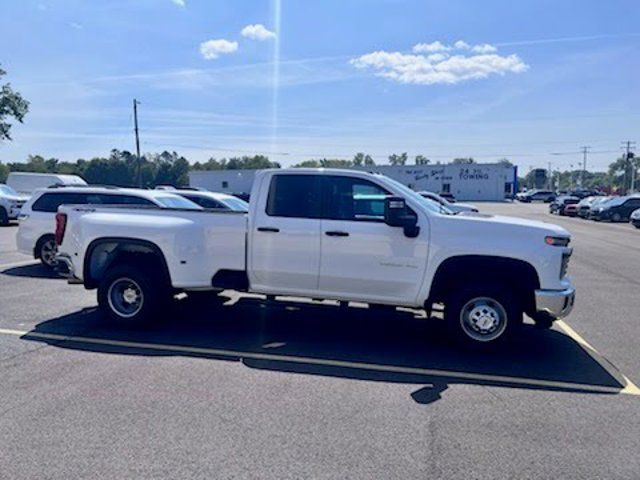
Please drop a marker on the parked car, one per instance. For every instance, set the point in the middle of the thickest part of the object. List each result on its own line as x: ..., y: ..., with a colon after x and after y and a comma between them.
x: 616, y: 209
x: 546, y: 196
x: 635, y: 218
x: 35, y: 235
x: 304, y: 236
x: 558, y: 205
x: 10, y: 204
x: 584, y: 206
x: 454, y: 207
x: 570, y: 210
x: 448, y: 196
x: 584, y: 193
x: 220, y: 201
x: 25, y: 183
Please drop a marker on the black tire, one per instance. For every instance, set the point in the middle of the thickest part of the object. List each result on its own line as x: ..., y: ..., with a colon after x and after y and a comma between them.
x: 616, y: 217
x: 4, y: 217
x: 488, y: 304
x: 46, y: 250
x: 132, y: 295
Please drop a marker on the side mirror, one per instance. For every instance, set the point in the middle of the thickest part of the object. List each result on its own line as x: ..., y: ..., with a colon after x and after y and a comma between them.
x: 396, y: 214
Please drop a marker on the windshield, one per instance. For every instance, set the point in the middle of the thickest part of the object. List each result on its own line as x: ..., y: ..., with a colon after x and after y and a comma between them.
x: 7, y: 190
x: 236, y: 204
x: 174, y: 201
x: 430, y: 204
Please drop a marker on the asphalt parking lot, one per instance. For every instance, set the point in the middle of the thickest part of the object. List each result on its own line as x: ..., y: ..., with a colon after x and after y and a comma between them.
x: 238, y: 387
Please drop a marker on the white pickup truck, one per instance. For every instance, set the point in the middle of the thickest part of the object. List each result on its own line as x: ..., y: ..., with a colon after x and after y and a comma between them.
x: 331, y: 234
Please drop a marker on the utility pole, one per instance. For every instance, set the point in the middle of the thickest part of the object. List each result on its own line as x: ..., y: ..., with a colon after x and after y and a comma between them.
x: 628, y: 145
x: 549, y: 174
x: 585, y: 150
x: 135, y: 122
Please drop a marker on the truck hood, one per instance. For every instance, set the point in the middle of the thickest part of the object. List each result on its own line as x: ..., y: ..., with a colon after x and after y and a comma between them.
x: 15, y: 198
x: 517, y: 225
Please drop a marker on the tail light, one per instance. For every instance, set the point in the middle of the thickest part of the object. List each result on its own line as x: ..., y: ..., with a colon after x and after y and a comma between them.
x: 61, y: 225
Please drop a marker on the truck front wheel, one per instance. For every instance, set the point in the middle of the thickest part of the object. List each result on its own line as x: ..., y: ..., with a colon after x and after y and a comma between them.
x: 129, y: 295
x: 483, y: 315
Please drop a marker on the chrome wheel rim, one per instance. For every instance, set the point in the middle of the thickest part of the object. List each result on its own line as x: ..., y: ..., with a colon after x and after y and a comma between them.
x: 483, y: 319
x: 125, y: 297
x: 48, y: 252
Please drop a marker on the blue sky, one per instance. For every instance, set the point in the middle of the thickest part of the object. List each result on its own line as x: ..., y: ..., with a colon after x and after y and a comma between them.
x: 490, y: 79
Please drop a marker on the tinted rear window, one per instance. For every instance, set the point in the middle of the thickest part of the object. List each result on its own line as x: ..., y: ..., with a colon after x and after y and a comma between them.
x: 294, y: 196
x: 49, y: 202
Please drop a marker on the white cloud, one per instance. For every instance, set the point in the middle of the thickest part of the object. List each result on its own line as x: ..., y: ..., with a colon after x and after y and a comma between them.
x: 257, y: 32
x: 76, y: 25
x: 180, y: 3
x: 441, y: 67
x: 484, y: 48
x: 430, y: 47
x: 212, y: 49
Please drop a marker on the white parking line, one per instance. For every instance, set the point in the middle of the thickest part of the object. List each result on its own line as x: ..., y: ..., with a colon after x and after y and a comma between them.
x: 480, y: 377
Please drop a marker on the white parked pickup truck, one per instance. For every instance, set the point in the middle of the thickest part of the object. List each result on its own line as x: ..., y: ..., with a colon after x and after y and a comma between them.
x: 321, y: 233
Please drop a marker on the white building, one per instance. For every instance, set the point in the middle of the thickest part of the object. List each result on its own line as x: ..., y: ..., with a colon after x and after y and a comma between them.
x: 483, y: 181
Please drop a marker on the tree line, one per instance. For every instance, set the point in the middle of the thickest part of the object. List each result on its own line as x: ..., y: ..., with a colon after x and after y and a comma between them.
x: 170, y: 168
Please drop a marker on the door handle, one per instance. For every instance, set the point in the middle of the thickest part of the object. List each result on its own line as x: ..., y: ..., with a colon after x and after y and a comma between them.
x: 268, y: 229
x: 337, y: 234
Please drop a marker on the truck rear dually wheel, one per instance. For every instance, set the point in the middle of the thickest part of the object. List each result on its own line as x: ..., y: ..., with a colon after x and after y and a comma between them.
x: 129, y: 295
x: 483, y: 315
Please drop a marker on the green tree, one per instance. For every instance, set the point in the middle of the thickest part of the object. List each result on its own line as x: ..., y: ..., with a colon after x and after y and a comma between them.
x: 621, y: 171
x: 361, y: 159
x: 12, y: 105
x: 4, y: 172
x: 422, y: 160
x: 505, y: 162
x: 401, y: 159
x: 463, y: 161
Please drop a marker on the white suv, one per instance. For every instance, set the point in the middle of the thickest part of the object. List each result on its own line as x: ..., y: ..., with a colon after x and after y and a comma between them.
x: 37, y: 219
x: 10, y: 204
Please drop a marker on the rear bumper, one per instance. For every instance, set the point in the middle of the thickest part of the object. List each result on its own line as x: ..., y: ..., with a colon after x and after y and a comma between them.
x: 556, y: 303
x: 64, y: 267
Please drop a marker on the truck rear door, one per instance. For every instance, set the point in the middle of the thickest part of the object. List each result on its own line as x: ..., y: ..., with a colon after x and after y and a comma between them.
x: 284, y: 254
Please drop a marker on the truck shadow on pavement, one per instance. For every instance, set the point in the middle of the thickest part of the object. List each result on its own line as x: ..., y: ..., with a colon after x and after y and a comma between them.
x: 36, y: 270
x: 304, y: 337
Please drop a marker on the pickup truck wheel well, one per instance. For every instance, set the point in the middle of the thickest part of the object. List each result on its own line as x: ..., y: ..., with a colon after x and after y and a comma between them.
x: 106, y: 253
x: 456, y: 272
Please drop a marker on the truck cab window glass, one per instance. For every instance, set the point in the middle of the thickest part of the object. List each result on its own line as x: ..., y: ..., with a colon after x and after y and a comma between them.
x: 347, y: 198
x: 294, y: 196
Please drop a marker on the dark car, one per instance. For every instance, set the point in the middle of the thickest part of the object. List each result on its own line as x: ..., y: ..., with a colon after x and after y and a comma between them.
x: 448, y: 196
x: 559, y: 204
x: 617, y: 209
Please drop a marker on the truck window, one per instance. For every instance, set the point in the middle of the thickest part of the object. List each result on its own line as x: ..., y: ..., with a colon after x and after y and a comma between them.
x: 347, y: 198
x: 111, y: 199
x: 295, y: 196
x: 49, y: 202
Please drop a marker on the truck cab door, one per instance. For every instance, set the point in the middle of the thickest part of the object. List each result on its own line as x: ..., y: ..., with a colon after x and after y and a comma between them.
x: 363, y: 258
x: 284, y: 246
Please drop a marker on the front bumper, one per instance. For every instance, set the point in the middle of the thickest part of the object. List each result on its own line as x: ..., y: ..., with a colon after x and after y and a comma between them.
x: 556, y: 303
x: 14, y: 212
